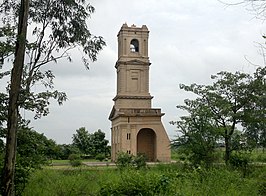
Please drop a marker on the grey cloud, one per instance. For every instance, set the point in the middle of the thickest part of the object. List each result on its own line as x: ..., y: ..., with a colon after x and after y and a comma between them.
x: 189, y: 41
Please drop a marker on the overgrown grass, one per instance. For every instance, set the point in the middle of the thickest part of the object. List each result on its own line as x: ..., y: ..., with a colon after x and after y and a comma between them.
x: 173, y: 179
x: 67, y: 161
x: 59, y: 162
x: 256, y: 155
x: 70, y: 181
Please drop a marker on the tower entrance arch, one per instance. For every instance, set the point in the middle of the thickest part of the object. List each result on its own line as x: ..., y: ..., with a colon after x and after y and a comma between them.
x: 146, y: 143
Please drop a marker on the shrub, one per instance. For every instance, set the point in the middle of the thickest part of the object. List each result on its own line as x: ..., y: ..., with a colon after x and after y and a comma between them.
x: 139, y: 161
x: 100, y: 157
x: 86, y: 156
x: 75, y: 163
x: 137, y: 183
x: 240, y: 161
x: 261, y: 158
x: 124, y: 160
x: 74, y: 160
x: 262, y: 188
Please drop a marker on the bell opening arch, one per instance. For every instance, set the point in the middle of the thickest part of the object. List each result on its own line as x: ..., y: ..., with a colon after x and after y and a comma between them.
x: 134, y: 45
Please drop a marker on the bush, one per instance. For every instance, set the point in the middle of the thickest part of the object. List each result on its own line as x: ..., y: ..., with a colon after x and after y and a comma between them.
x: 125, y: 160
x: 240, y: 161
x: 100, y: 157
x: 74, y: 160
x: 139, y: 161
x: 75, y: 163
x: 262, y: 188
x: 86, y: 156
x: 137, y: 183
x: 261, y: 158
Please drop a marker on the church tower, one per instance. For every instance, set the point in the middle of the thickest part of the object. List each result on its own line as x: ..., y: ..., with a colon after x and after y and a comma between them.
x: 136, y: 126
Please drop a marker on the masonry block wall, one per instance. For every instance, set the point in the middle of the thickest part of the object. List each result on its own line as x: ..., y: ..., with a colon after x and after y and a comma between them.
x: 136, y: 126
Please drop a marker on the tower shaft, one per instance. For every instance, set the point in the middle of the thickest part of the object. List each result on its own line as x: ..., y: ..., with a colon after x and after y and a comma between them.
x: 136, y: 126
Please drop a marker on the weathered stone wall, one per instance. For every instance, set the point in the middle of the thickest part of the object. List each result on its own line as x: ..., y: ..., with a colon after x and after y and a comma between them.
x: 136, y: 126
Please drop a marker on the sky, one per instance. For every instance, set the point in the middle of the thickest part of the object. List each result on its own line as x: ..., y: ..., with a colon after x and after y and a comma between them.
x: 189, y: 41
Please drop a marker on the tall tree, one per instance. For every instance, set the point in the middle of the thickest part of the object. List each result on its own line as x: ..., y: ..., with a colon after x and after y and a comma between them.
x: 255, y: 129
x: 198, y: 133
x: 90, y: 143
x: 255, y: 114
x: 13, y: 112
x: 99, y: 143
x: 58, y: 27
x: 228, y: 102
x: 82, y: 140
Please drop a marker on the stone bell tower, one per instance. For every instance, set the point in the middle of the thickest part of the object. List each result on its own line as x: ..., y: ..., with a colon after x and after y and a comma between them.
x: 136, y: 126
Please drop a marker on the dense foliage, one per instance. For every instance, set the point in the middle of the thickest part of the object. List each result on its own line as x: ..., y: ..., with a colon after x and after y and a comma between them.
x: 233, y: 100
x: 91, y: 144
x: 126, y: 161
x: 33, y: 151
x: 57, y: 27
x: 64, y: 150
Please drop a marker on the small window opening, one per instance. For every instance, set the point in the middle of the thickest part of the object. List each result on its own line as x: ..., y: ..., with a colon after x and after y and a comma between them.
x: 128, y: 136
x: 134, y: 45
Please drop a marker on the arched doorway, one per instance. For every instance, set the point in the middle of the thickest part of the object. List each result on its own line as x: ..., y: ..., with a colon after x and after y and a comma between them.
x: 146, y: 142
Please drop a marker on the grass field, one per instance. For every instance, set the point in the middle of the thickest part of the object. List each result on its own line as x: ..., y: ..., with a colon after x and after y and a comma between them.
x: 61, y: 179
x: 256, y: 155
x: 172, y: 179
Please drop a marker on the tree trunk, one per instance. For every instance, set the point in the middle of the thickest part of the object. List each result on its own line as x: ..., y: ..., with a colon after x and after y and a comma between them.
x: 13, y: 107
x: 227, y: 149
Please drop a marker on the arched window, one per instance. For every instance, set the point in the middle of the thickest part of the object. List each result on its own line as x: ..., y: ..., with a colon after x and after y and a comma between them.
x: 134, y: 45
